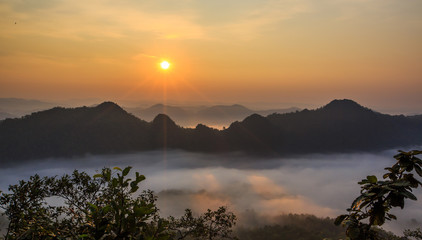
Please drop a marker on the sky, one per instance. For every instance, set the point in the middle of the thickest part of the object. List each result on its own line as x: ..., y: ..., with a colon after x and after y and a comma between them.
x: 249, y: 51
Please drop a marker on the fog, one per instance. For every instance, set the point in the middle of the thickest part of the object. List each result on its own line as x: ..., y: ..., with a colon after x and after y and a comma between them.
x: 253, y: 188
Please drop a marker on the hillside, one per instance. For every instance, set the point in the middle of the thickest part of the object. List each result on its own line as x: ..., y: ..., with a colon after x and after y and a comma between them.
x: 218, y: 115
x: 340, y: 126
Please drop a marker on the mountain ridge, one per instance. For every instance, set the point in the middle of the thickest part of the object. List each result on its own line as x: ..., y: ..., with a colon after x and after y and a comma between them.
x: 340, y: 126
x: 217, y: 115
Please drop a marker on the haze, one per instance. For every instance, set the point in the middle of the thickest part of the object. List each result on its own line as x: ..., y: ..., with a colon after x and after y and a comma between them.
x: 319, y: 184
x: 221, y: 51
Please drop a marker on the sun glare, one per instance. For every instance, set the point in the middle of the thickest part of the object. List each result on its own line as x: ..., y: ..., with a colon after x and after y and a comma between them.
x: 165, y: 65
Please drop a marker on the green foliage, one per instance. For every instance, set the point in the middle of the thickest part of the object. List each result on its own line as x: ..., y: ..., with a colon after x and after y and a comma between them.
x: 105, y: 206
x: 29, y: 214
x: 416, y: 234
x: 116, y: 213
x: 210, y: 225
x: 378, y: 197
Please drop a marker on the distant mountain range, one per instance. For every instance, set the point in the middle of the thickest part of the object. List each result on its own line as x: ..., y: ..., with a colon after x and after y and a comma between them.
x: 340, y: 126
x: 219, y: 115
x: 187, y: 116
x: 17, y: 107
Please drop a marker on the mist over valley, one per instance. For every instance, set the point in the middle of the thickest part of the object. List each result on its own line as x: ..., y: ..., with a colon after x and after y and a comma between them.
x: 262, y: 168
x: 258, y: 190
x: 285, y: 116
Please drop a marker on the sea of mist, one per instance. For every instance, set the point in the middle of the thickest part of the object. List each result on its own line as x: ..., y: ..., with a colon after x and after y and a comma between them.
x: 256, y: 189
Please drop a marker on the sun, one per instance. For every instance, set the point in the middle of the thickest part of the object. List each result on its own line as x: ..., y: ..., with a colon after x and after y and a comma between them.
x: 165, y: 65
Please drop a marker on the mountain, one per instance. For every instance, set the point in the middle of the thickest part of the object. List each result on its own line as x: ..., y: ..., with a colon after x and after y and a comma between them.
x: 219, y: 115
x: 179, y: 114
x: 340, y: 126
x: 278, y: 110
x: 4, y: 115
x: 17, y: 107
x: 61, y: 132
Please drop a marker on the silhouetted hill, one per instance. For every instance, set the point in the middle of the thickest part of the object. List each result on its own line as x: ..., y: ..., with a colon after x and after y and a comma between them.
x: 61, y: 132
x: 340, y: 126
x: 4, y: 115
x: 219, y: 115
x: 344, y: 125
x: 176, y: 112
x: 18, y: 107
x: 279, y: 110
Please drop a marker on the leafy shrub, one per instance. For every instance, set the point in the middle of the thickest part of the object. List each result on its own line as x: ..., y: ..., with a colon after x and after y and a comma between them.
x: 378, y: 197
x: 105, y: 206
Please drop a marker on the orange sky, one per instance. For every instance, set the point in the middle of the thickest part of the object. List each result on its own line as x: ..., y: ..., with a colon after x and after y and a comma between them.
x: 272, y: 51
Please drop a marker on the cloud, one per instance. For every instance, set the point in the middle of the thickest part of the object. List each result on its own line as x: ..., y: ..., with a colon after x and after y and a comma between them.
x: 96, y: 20
x: 319, y: 184
x: 252, y: 23
x: 142, y: 56
x: 99, y: 19
x: 266, y: 188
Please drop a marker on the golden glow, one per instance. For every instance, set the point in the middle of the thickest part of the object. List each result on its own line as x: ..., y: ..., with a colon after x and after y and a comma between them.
x: 343, y: 52
x: 165, y: 65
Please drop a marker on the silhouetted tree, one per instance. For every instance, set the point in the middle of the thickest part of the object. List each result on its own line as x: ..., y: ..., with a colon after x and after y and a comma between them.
x: 378, y: 197
x: 105, y: 206
x: 210, y: 225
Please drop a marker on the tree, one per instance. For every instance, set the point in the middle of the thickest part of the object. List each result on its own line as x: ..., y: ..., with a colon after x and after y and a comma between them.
x: 417, y: 234
x: 27, y: 210
x: 210, y: 225
x: 116, y: 214
x: 102, y: 207
x: 105, y: 206
x: 378, y: 197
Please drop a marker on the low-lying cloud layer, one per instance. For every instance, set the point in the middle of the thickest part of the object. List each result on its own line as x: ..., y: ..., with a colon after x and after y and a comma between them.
x: 323, y: 185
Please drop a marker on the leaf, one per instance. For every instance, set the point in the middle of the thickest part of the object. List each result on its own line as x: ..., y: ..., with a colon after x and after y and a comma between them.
x: 340, y: 219
x: 418, y: 170
x: 369, y: 194
x: 416, y: 159
x: 99, y: 175
x: 134, y: 186
x: 416, y: 152
x: 372, y: 179
x: 126, y: 171
x: 92, y: 206
x: 401, y: 183
x: 364, y: 181
x: 114, y: 182
x: 134, y: 189
x: 117, y: 168
x: 378, y: 215
x: 392, y: 216
x: 396, y: 200
x: 108, y: 175
x: 408, y: 194
x: 357, y: 201
x: 140, y: 178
